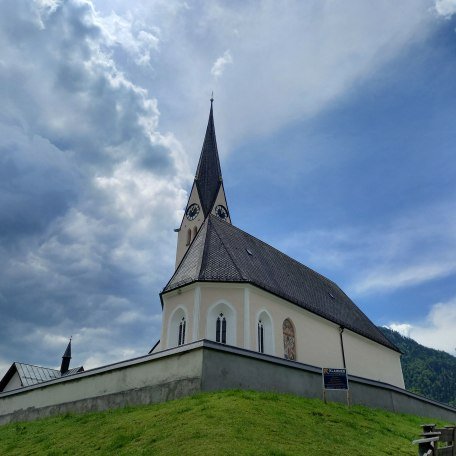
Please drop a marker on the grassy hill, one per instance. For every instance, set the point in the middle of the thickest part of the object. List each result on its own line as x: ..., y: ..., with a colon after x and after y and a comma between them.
x: 226, y: 423
x: 429, y: 372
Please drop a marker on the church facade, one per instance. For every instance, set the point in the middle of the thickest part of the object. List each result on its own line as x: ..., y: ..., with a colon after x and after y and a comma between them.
x: 234, y: 289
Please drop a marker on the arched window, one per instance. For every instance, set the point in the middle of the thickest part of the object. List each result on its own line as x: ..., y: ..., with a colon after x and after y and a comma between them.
x: 289, y: 341
x: 221, y: 323
x: 181, y: 337
x: 265, y: 334
x: 220, y: 329
x: 195, y: 231
x: 177, y: 329
x: 189, y: 236
x: 260, y: 337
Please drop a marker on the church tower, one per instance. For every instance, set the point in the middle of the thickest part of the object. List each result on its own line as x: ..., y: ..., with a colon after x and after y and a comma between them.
x: 207, y: 195
x: 233, y: 289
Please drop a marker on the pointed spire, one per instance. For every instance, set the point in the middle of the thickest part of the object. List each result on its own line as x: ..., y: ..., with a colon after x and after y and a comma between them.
x: 66, y: 359
x: 208, y: 176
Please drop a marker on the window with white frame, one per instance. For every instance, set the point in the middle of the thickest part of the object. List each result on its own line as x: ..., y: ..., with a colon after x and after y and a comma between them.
x: 221, y: 323
x: 265, y: 333
x: 177, y: 329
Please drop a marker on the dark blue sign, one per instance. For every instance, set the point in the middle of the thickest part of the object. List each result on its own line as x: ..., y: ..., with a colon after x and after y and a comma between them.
x: 335, y: 379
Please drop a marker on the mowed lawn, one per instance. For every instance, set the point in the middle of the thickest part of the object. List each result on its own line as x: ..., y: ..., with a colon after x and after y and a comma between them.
x: 226, y: 423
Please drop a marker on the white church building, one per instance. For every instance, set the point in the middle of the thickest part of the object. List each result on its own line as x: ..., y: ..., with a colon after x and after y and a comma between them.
x: 230, y: 288
x: 234, y: 289
x: 237, y: 314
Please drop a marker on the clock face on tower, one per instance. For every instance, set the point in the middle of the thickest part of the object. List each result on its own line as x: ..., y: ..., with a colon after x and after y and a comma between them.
x: 221, y: 212
x: 192, y: 211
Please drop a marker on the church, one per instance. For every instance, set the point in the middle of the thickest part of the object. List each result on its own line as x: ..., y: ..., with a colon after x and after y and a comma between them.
x: 234, y: 289
x: 236, y: 314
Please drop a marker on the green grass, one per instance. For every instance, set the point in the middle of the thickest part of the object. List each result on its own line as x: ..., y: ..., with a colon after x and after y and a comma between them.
x: 230, y: 422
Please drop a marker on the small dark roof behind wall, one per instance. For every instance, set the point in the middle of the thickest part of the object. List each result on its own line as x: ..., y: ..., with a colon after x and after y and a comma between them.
x: 223, y: 253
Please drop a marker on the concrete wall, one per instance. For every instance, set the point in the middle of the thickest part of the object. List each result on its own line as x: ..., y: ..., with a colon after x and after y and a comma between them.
x: 230, y: 367
x: 317, y: 339
x: 149, y: 379
x: 200, y: 366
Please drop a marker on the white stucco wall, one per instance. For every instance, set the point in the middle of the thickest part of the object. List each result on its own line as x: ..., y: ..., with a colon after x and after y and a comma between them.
x: 317, y: 339
x: 14, y: 383
x: 371, y: 360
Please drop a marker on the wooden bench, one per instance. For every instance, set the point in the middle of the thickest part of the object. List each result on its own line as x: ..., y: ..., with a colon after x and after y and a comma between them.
x: 429, y: 444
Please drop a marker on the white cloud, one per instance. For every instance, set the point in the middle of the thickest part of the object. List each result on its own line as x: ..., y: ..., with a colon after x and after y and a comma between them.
x: 401, y: 328
x: 90, y: 188
x: 131, y: 35
x: 413, y: 249
x: 219, y: 65
x: 437, y: 330
x: 394, y: 277
x: 291, y: 63
x: 445, y: 8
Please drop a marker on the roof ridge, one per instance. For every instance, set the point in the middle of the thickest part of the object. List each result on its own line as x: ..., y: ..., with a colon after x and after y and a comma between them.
x: 277, y: 250
x: 228, y: 253
x: 187, y: 253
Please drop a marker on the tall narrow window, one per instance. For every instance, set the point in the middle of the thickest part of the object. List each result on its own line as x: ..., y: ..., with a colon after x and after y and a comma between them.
x: 195, y: 231
x: 221, y: 323
x: 289, y: 342
x: 260, y: 337
x: 224, y: 330
x: 220, y: 329
x: 217, y: 330
x: 181, y: 340
x: 189, y: 236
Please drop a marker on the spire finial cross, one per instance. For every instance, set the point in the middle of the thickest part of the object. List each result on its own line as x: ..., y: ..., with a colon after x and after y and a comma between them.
x: 212, y: 96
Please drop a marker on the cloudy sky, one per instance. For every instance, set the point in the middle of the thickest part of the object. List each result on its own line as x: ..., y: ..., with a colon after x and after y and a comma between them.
x: 336, y: 129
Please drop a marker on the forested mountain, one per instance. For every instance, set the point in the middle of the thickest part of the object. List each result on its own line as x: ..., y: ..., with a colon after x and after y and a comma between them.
x: 429, y: 372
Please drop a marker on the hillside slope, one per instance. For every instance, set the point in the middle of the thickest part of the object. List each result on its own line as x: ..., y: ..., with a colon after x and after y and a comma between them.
x: 429, y: 372
x: 231, y: 423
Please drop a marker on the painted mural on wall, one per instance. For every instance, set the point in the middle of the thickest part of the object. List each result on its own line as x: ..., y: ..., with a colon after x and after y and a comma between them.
x: 289, y: 343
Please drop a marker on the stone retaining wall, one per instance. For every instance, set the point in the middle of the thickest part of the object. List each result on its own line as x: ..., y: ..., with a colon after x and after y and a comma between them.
x: 197, y: 367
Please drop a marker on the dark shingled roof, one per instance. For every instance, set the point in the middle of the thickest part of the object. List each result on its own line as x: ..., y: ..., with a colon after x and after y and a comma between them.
x: 208, y: 175
x: 223, y: 253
